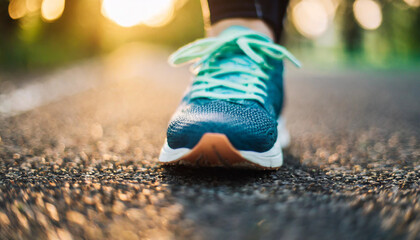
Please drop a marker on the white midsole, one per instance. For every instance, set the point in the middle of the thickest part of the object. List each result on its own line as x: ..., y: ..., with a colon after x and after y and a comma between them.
x: 272, y: 158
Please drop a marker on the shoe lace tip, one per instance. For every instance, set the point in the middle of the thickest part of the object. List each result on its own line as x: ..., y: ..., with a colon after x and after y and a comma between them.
x: 295, y: 62
x: 171, y: 60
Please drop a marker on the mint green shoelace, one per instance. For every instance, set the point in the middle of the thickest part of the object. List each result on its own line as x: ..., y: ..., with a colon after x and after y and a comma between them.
x: 252, y: 83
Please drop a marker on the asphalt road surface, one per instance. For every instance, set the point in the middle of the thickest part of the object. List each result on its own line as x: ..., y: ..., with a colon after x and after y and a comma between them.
x: 85, y: 166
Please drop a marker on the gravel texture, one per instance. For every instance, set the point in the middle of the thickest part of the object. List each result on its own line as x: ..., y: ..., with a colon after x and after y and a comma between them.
x: 86, y: 167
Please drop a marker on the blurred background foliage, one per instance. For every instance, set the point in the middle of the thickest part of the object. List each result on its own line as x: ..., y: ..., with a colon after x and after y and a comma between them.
x: 43, y: 34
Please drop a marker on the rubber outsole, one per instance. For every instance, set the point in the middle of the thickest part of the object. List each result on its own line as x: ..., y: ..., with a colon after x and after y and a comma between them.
x: 215, y: 150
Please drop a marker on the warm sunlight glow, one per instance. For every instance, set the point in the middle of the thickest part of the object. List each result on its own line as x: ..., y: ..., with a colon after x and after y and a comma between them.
x: 128, y: 13
x: 368, y: 14
x: 310, y: 18
x: 33, y: 5
x: 52, y: 9
x: 331, y: 7
x: 163, y: 18
x: 413, y: 3
x: 17, y: 9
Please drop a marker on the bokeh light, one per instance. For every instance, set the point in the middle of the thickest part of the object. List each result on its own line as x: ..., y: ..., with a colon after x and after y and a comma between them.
x: 331, y: 7
x: 310, y: 18
x: 413, y: 3
x: 52, y: 9
x: 368, y: 14
x: 162, y: 18
x: 129, y: 13
x: 33, y: 5
x: 17, y: 9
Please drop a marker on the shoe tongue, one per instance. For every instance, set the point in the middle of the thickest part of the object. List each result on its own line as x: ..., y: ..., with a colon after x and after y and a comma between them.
x: 232, y: 30
x: 236, y: 30
x: 233, y: 60
x: 238, y: 61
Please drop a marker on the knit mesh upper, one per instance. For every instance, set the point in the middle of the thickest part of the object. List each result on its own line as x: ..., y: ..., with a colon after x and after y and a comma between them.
x: 247, y: 126
x: 238, y: 91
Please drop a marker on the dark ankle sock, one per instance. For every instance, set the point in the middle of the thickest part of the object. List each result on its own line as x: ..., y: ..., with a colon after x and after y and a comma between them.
x: 271, y: 12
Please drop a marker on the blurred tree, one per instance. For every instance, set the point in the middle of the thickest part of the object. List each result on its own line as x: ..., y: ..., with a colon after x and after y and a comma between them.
x: 7, y: 25
x: 82, y: 31
x: 8, y: 31
x: 351, y: 32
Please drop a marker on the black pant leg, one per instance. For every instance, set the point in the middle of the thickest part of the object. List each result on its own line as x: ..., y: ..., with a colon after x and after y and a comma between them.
x: 270, y: 11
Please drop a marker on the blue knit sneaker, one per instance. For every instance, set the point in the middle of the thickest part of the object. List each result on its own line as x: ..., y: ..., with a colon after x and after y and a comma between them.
x: 231, y: 114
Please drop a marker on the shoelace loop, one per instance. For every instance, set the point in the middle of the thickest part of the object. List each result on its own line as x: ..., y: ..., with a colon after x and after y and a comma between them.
x: 252, y: 83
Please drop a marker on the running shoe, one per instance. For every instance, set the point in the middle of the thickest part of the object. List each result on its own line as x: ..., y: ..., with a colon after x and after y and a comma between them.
x: 231, y: 113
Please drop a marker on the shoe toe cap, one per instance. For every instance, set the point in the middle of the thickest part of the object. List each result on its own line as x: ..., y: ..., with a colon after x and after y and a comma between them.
x: 247, y: 128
